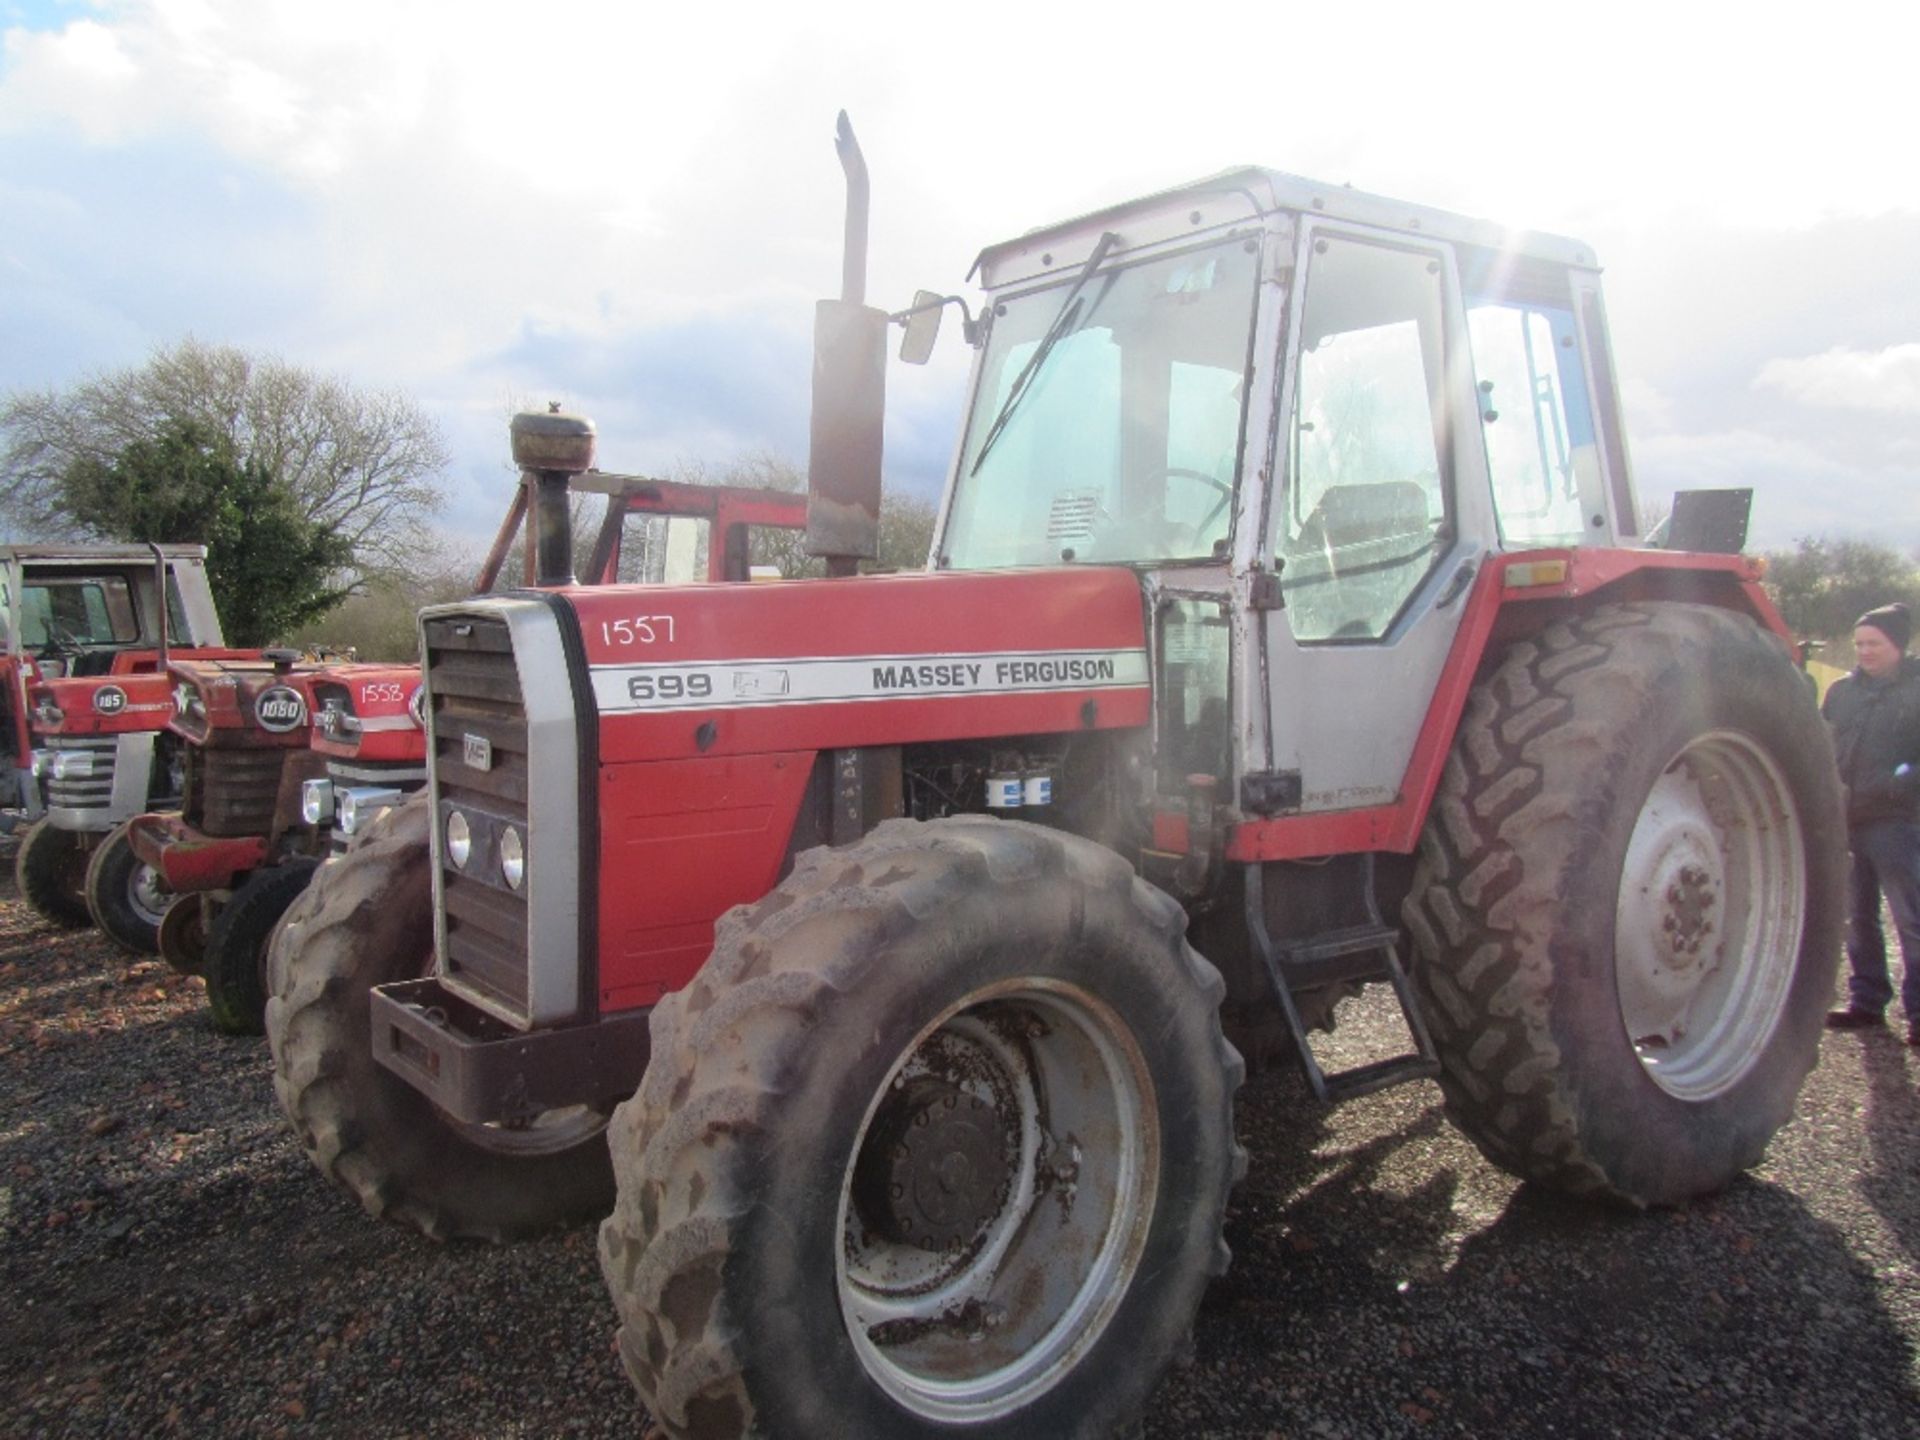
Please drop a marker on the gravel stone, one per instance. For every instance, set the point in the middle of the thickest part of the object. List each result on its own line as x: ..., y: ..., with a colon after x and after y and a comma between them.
x: 174, y: 1266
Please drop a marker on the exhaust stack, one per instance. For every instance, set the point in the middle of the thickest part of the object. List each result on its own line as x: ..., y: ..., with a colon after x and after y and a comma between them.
x: 550, y: 450
x: 849, y: 394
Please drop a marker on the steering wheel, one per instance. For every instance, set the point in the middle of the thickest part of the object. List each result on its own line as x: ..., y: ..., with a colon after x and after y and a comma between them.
x: 1181, y: 472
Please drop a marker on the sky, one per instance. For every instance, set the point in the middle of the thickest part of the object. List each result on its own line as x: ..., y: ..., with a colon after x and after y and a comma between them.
x: 631, y: 209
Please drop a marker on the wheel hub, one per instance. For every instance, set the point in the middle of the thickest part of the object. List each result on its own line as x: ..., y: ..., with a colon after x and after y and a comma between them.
x: 1687, y: 901
x: 148, y: 893
x: 936, y: 1166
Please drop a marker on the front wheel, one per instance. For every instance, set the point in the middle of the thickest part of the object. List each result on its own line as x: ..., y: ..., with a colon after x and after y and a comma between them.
x: 939, y: 1139
x: 51, y: 870
x: 235, y: 961
x: 125, y: 895
x: 1627, y: 911
x: 367, y: 920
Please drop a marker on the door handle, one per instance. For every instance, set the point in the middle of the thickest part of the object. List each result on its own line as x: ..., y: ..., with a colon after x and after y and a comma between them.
x: 1457, y: 584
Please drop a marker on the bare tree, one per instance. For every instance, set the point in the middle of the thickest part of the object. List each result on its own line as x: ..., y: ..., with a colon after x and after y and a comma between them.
x: 364, y: 464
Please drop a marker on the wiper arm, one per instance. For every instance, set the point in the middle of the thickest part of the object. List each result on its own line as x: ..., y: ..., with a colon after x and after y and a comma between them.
x: 1063, y: 325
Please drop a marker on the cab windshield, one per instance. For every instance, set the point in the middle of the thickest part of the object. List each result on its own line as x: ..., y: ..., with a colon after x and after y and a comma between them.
x: 1106, y: 425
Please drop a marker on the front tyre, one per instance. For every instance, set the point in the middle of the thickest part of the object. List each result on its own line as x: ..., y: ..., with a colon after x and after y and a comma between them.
x: 51, y: 871
x: 125, y: 895
x: 1627, y: 911
x: 235, y: 961
x: 938, y: 1143
x: 366, y: 920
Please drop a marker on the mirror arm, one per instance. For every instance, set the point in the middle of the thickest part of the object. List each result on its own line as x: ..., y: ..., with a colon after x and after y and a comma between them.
x: 969, y: 327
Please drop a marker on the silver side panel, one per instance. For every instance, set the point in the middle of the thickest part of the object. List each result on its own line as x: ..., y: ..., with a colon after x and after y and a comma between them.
x: 132, y: 776
x: 196, y: 603
x: 553, y: 816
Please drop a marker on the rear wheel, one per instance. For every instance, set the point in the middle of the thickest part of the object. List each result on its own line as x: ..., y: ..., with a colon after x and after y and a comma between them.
x: 51, y: 870
x: 367, y: 919
x: 1628, y: 907
x: 125, y: 895
x: 235, y: 962
x: 937, y: 1144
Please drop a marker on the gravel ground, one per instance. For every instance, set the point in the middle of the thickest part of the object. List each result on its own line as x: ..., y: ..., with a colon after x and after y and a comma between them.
x: 172, y: 1264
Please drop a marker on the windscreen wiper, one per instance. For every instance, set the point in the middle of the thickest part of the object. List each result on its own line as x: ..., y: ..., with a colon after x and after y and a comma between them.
x: 1063, y: 325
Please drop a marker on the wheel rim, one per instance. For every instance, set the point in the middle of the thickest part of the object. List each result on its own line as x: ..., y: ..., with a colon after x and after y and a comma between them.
x: 997, y: 1201
x: 147, y: 894
x: 547, y: 1133
x: 1712, y: 906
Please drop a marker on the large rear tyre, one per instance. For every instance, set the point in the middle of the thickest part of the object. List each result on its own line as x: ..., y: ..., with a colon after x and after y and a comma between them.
x: 235, y: 962
x: 1627, y: 911
x: 125, y: 895
x: 51, y: 870
x: 937, y: 1144
x: 367, y: 919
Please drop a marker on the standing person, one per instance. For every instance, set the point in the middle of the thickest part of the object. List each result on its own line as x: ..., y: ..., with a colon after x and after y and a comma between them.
x: 1875, y: 715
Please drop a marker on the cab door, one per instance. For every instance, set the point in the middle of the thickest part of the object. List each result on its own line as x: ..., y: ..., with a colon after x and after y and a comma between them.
x: 1381, y: 516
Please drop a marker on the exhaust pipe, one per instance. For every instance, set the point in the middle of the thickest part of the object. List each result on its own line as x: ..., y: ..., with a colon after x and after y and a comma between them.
x: 849, y: 394
x: 550, y: 450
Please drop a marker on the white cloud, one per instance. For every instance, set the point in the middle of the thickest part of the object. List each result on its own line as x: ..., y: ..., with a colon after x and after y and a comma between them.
x: 404, y: 191
x: 1847, y: 379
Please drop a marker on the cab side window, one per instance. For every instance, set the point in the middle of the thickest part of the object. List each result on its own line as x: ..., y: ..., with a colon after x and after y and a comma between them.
x: 1535, y: 417
x: 1365, y: 514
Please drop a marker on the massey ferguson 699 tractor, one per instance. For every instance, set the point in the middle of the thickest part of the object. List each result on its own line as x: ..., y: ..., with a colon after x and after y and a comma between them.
x: 1284, y: 631
x: 84, y: 710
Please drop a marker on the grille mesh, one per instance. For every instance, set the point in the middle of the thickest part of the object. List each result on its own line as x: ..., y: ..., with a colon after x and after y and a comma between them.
x: 476, y: 696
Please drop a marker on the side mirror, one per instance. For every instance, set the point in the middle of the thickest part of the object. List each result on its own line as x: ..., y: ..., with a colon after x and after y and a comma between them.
x: 922, y: 322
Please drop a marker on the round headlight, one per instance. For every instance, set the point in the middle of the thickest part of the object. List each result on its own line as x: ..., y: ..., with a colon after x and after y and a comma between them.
x: 513, y: 857
x: 459, y: 839
x: 316, y: 801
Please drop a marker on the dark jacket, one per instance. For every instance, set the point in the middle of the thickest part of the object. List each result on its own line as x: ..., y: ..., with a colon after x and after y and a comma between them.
x: 1876, y: 731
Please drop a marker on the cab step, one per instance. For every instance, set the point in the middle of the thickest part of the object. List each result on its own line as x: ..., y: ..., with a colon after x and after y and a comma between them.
x: 1369, y: 951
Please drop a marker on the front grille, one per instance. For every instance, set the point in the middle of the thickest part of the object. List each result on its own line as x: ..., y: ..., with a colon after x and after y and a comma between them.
x: 477, y: 705
x: 233, y: 792
x: 96, y: 791
x: 353, y: 774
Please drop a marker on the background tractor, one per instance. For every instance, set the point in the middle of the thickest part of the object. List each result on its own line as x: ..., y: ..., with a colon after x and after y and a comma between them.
x: 83, y: 714
x: 1285, y: 631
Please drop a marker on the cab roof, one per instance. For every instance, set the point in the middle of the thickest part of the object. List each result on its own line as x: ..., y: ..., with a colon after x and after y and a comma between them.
x: 1246, y: 194
x: 82, y: 555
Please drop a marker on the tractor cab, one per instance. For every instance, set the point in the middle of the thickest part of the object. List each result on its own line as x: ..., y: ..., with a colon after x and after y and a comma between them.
x: 1310, y: 417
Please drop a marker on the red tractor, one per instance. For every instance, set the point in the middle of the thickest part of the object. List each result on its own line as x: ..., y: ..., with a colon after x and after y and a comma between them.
x: 83, y: 717
x: 1285, y: 631
x: 286, y: 767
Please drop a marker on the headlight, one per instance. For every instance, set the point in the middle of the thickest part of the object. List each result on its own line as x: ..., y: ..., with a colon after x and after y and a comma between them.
x: 43, y: 762
x: 459, y: 839
x: 316, y: 801
x: 513, y: 857
x: 72, y: 764
x: 359, y: 804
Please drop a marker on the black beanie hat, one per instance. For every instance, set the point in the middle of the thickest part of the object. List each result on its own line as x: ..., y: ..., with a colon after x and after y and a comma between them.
x: 1892, y: 621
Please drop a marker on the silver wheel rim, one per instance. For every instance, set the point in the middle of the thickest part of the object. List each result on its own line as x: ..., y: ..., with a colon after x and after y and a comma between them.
x: 147, y: 894
x: 548, y: 1133
x: 1002, y: 1306
x: 1712, y: 906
